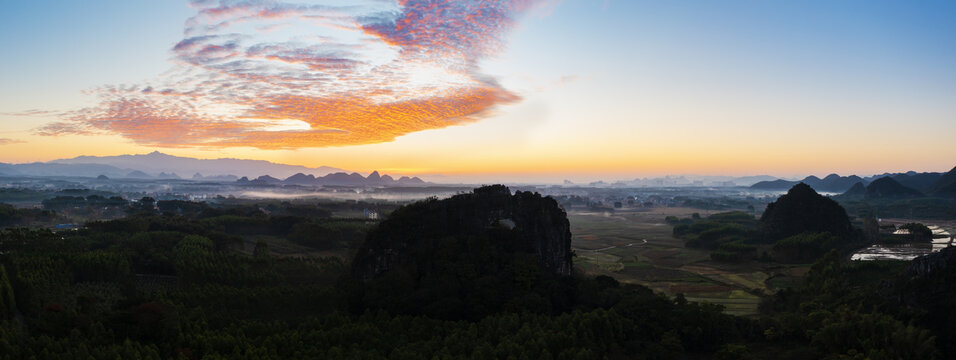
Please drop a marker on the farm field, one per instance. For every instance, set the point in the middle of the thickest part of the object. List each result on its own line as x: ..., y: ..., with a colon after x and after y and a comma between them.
x: 637, y: 247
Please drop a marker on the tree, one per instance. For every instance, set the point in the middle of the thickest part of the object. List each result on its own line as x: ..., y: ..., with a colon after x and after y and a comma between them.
x: 918, y: 232
x: 261, y: 252
x: 8, y: 305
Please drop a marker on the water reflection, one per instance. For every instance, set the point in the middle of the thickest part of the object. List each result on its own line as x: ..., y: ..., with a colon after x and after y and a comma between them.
x: 906, y: 251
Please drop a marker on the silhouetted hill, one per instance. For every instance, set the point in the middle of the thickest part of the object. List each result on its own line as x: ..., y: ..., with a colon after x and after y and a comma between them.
x: 467, y: 255
x: 405, y: 180
x: 138, y: 175
x: 919, y: 181
x: 887, y: 187
x: 802, y: 210
x: 341, y: 179
x: 750, y: 180
x: 836, y: 183
x: 779, y: 184
x: 858, y: 190
x: 374, y: 178
x: 831, y: 183
x: 945, y: 186
x: 265, y: 180
x: 888, y: 174
x: 300, y: 179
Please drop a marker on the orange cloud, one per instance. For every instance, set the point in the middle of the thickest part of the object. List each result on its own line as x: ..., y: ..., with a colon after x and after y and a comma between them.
x: 333, y: 121
x: 352, y: 121
x: 235, y: 88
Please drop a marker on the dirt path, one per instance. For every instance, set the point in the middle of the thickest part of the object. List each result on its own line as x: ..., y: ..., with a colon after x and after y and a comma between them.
x: 718, y: 276
x: 643, y: 241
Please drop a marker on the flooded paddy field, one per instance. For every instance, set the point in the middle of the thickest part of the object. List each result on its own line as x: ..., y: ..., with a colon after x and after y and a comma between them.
x: 942, y: 238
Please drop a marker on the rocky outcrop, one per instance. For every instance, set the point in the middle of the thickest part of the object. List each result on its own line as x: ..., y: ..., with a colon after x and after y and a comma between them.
x: 414, y: 235
x: 928, y: 264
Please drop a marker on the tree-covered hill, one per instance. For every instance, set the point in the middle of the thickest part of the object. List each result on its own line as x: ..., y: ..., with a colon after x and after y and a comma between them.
x: 946, y: 185
x: 803, y: 210
x: 888, y: 188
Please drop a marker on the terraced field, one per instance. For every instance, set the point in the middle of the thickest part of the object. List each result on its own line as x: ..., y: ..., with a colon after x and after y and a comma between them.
x: 637, y: 247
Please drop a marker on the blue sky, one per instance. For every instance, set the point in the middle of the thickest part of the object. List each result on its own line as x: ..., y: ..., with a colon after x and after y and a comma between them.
x: 586, y: 88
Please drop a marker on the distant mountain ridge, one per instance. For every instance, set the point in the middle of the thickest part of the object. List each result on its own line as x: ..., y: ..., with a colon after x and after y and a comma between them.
x: 159, y: 166
x: 945, y: 186
x: 164, y: 166
x: 907, y: 185
x: 919, y: 181
x: 883, y: 188
x: 53, y: 169
x: 831, y: 183
x: 926, y: 183
x: 887, y: 187
x: 336, y: 179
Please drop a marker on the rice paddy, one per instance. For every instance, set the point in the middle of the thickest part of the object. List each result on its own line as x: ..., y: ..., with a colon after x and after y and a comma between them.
x: 637, y: 247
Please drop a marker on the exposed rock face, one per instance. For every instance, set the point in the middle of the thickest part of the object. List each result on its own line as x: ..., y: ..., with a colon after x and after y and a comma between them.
x: 927, y: 264
x: 521, y: 223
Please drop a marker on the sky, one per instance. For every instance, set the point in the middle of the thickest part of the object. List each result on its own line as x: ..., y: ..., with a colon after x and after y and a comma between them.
x: 506, y: 90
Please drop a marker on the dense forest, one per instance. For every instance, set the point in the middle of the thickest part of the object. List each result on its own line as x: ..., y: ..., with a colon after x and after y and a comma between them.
x: 473, y: 276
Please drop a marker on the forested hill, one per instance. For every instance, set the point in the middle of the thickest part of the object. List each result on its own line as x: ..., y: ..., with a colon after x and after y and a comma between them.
x: 467, y: 256
x: 946, y: 185
x: 803, y: 210
x: 523, y: 222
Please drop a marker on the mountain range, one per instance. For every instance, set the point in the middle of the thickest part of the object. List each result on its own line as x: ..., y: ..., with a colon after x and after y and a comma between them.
x: 339, y: 179
x: 685, y: 180
x: 906, y: 184
x: 899, y: 186
x: 831, y: 183
x: 158, y: 163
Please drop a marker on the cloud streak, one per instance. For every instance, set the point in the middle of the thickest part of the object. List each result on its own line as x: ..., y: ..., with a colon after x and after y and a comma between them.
x: 5, y: 141
x: 278, y: 75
